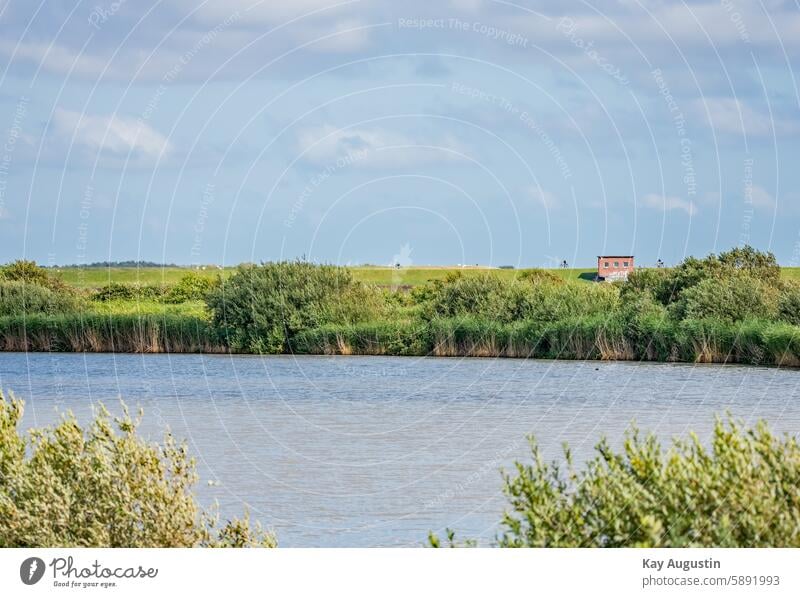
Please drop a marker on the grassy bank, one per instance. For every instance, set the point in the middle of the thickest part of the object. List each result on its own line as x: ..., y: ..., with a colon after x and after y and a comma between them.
x: 700, y: 341
x: 736, y: 307
x: 93, y: 332
x: 96, y: 277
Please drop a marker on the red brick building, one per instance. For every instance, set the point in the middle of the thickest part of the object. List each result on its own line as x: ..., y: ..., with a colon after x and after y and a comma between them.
x: 614, y: 267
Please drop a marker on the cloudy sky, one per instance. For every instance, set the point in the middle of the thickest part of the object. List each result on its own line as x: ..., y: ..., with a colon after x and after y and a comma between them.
x: 470, y: 131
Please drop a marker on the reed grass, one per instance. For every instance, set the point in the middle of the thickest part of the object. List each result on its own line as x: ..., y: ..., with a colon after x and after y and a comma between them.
x: 692, y: 341
x: 149, y: 333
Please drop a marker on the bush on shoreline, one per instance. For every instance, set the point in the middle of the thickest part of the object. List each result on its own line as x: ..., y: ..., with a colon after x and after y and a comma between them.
x: 261, y: 308
x: 740, y: 491
x: 103, y: 486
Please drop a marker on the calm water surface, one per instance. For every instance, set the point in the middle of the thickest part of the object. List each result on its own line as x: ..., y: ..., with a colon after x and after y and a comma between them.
x: 374, y: 451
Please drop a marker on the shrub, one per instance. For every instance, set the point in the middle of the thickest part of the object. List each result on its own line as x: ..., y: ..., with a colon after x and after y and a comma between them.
x: 128, y: 292
x: 548, y: 302
x: 540, y: 275
x: 191, y: 287
x: 668, y: 286
x: 482, y: 295
x: 740, y: 491
x: 104, y: 486
x: 23, y: 298
x: 752, y: 262
x: 655, y: 282
x: 30, y: 273
x: 789, y: 303
x: 489, y: 297
x: 261, y: 308
x: 733, y: 298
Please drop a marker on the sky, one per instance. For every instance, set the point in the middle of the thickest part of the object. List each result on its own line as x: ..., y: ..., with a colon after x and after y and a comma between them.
x: 438, y: 132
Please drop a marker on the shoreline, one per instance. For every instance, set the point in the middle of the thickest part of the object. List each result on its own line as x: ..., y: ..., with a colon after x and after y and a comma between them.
x: 287, y: 355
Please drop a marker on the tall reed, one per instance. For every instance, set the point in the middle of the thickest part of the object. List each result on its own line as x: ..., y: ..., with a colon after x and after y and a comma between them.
x: 108, y: 333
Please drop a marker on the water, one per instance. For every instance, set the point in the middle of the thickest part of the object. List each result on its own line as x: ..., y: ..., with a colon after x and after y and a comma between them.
x: 374, y: 451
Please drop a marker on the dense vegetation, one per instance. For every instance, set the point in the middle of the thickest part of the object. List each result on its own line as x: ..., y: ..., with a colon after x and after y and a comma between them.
x: 261, y: 308
x: 732, y: 307
x: 103, y: 486
x: 742, y: 490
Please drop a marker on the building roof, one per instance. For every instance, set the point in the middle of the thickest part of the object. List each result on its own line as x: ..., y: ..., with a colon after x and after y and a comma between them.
x: 613, y: 256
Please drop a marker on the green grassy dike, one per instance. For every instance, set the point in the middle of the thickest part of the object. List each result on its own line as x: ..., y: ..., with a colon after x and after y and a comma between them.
x: 738, y: 307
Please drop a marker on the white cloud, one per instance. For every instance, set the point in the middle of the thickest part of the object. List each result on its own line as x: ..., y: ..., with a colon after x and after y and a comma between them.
x: 56, y: 59
x: 374, y: 146
x: 327, y: 143
x: 345, y: 36
x: 255, y: 12
x: 111, y: 133
x: 545, y: 198
x: 729, y: 115
x: 759, y: 197
x: 703, y: 23
x: 665, y: 203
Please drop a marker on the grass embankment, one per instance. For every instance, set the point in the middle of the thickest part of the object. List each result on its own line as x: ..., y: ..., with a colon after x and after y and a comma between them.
x: 97, y: 277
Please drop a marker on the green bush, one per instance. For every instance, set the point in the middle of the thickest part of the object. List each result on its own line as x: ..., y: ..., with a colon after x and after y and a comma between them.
x: 104, y: 486
x: 191, y: 287
x: 540, y: 275
x: 117, y: 291
x: 733, y: 298
x: 489, y: 297
x: 742, y: 490
x: 548, y: 302
x: 668, y: 285
x: 482, y: 295
x: 754, y: 263
x: 789, y: 303
x: 262, y: 308
x: 25, y: 298
x: 30, y: 273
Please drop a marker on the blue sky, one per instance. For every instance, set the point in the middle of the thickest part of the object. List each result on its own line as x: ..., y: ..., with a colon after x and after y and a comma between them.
x: 471, y: 131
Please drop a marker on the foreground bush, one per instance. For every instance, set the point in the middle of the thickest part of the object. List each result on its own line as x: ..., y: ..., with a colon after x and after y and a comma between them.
x: 103, y: 487
x: 743, y: 490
